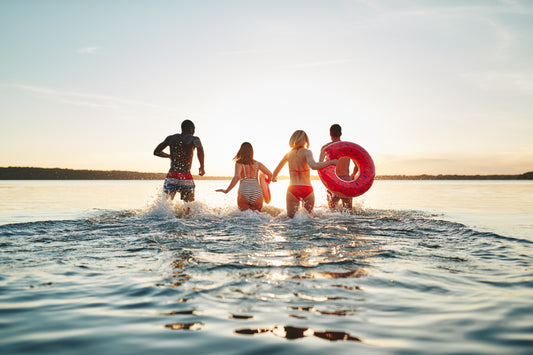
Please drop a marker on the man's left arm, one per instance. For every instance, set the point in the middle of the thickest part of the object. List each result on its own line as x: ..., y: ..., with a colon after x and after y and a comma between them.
x: 200, y: 154
x: 355, y: 170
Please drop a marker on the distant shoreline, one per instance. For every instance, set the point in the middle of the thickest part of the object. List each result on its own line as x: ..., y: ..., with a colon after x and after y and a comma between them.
x: 30, y: 173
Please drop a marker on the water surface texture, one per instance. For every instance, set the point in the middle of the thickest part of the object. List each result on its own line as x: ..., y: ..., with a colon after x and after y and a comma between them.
x: 107, y: 267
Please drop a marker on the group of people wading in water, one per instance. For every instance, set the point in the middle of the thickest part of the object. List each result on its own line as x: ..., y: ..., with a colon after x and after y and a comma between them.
x: 250, y: 195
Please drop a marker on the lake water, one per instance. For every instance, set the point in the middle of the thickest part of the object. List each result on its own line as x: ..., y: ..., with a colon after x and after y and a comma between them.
x: 421, y: 267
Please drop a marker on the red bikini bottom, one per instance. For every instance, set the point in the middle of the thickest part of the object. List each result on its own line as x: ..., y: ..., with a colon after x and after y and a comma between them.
x: 300, y: 191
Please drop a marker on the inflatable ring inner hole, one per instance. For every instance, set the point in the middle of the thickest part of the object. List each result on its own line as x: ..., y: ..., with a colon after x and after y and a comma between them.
x: 351, y: 170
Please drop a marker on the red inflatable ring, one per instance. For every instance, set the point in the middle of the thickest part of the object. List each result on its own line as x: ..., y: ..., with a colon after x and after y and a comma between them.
x: 355, y: 187
x: 263, y: 181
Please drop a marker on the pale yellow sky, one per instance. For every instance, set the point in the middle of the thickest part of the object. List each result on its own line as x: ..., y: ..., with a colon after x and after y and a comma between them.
x: 425, y: 87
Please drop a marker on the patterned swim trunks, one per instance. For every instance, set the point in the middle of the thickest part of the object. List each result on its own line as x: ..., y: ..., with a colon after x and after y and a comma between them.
x: 180, y: 182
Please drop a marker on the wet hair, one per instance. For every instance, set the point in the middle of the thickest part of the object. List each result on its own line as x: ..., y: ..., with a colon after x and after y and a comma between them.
x: 335, y: 130
x: 187, y: 127
x: 299, y: 139
x: 245, y: 155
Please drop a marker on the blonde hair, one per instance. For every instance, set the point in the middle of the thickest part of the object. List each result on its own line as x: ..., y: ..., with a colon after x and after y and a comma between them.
x: 299, y: 139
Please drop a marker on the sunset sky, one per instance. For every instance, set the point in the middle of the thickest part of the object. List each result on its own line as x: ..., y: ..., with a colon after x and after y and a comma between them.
x: 437, y: 87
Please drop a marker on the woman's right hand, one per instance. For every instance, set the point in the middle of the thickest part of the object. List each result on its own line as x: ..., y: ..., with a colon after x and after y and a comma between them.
x: 222, y: 190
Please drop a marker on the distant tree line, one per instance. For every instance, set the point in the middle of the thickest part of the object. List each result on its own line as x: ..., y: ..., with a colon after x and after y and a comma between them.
x: 16, y: 173
x: 525, y: 176
x: 27, y: 173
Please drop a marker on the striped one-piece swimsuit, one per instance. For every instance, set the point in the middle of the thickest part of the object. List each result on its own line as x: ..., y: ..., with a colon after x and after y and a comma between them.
x: 249, y: 186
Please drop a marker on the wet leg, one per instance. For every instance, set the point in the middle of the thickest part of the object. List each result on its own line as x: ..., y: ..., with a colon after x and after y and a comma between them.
x: 292, y: 205
x: 242, y: 202
x: 309, y: 202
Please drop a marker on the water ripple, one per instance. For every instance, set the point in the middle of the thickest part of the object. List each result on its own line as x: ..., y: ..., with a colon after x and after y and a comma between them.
x: 378, y: 281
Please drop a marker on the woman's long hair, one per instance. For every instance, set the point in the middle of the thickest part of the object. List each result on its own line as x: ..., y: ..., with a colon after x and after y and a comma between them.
x: 245, y: 155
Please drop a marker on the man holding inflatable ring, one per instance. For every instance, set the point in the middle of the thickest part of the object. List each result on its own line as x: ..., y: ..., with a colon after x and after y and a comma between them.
x: 342, y: 170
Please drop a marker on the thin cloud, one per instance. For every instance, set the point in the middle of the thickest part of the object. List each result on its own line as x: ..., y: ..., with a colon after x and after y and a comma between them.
x: 322, y: 63
x: 502, y: 81
x: 89, y: 50
x: 244, y: 51
x: 86, y: 99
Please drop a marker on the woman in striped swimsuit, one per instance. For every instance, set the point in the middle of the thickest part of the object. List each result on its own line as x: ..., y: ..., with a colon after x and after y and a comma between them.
x: 250, y: 195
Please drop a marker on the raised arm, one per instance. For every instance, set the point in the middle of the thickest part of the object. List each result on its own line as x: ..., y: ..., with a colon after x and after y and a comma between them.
x: 235, y: 180
x: 314, y: 165
x: 278, y: 168
x: 158, y: 151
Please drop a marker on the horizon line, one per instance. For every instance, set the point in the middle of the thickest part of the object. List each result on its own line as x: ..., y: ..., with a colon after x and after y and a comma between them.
x: 280, y: 176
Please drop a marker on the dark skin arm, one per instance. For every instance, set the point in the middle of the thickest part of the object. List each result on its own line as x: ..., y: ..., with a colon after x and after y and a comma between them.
x: 158, y: 151
x: 200, y: 153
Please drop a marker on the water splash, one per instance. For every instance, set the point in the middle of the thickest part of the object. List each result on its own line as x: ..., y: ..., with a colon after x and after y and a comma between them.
x: 200, y: 274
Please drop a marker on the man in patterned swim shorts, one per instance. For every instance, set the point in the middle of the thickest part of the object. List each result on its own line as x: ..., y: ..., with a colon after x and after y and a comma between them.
x: 179, y: 177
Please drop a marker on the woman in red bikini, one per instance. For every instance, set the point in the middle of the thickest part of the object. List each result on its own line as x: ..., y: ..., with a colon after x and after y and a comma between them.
x: 300, y: 159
